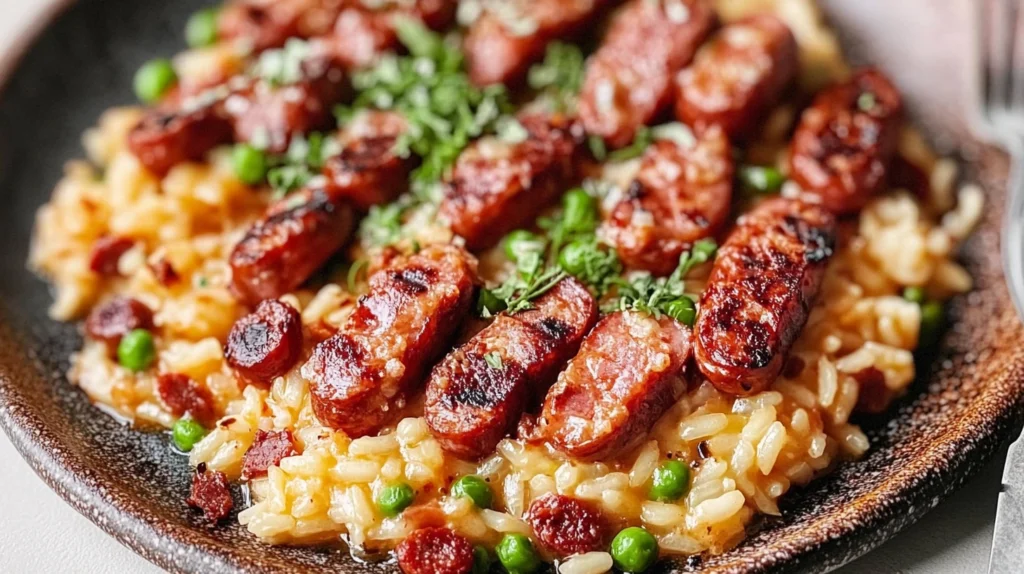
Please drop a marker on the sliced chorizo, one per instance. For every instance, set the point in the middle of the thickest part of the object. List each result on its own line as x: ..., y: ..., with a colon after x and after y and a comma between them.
x: 478, y: 393
x: 505, y: 40
x: 629, y: 371
x: 183, y: 396
x: 368, y: 172
x: 567, y: 526
x: 628, y: 81
x: 497, y: 186
x: 163, y: 138
x: 681, y: 194
x: 845, y: 141
x: 282, y: 250
x: 272, y: 115
x: 362, y: 33
x: 760, y: 291
x: 264, y: 344
x: 116, y: 318
x: 210, y: 493
x: 107, y: 252
x: 266, y: 24
x: 267, y: 450
x: 381, y: 353
x: 738, y: 76
x: 435, y: 550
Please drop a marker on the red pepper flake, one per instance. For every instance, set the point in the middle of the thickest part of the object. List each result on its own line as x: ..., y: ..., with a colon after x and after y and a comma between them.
x: 106, y: 252
x: 266, y: 451
x: 210, y: 493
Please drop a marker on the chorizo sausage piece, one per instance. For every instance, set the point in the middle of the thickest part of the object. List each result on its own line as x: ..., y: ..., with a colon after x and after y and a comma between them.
x: 266, y: 24
x: 496, y: 186
x: 629, y: 371
x: 435, y: 550
x: 106, y: 253
x: 163, y: 138
x: 381, y: 353
x: 738, y: 76
x: 264, y: 344
x: 502, y: 44
x: 183, y: 396
x: 267, y: 450
x: 282, y: 250
x: 477, y: 394
x: 272, y: 115
x: 628, y: 81
x: 567, y: 526
x: 362, y: 34
x: 760, y: 291
x: 681, y: 194
x: 367, y: 171
x: 845, y: 141
x: 210, y: 493
x: 116, y: 318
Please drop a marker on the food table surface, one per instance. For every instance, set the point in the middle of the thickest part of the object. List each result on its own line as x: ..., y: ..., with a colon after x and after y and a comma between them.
x: 43, y: 534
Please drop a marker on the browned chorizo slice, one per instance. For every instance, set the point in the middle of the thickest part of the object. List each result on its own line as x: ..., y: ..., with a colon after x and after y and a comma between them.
x: 629, y: 371
x: 477, y: 394
x: 738, y: 76
x: 497, y: 186
x: 366, y: 370
x: 164, y: 138
x: 282, y: 250
x: 363, y: 32
x: 845, y: 142
x: 271, y: 115
x: 116, y: 318
x: 266, y: 24
x: 507, y: 37
x: 107, y: 252
x: 210, y: 493
x: 367, y: 171
x: 567, y: 526
x: 266, y: 343
x: 435, y: 551
x: 761, y: 288
x: 267, y: 450
x: 182, y: 396
x: 681, y: 194
x: 628, y: 80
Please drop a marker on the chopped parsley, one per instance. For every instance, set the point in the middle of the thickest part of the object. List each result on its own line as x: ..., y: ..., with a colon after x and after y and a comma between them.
x: 303, y: 161
x: 531, y: 279
x: 867, y: 102
x: 559, y: 77
x: 283, y: 66
x: 493, y: 360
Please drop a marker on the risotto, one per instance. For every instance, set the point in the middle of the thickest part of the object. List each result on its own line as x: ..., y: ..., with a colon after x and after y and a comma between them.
x: 144, y: 239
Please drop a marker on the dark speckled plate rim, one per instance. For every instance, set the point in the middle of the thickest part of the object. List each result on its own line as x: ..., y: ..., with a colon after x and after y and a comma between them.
x: 898, y: 501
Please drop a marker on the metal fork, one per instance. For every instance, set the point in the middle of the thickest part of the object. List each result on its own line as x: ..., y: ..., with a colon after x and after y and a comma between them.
x: 1000, y: 43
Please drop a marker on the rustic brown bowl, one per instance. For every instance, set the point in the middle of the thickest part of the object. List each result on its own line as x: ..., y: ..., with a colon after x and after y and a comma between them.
x: 960, y: 411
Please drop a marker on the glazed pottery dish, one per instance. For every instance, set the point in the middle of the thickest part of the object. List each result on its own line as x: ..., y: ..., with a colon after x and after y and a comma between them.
x: 443, y: 287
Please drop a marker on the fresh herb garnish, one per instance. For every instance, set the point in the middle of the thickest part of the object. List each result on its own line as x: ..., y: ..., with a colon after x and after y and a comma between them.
x: 760, y: 180
x: 383, y: 224
x: 531, y: 279
x: 641, y: 141
x: 302, y: 162
x: 355, y: 270
x: 559, y: 77
x: 676, y: 132
x: 665, y: 295
x: 493, y: 360
x: 283, y: 66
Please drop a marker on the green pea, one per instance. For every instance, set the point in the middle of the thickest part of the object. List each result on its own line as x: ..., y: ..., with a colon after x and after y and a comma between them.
x: 517, y: 554
x: 671, y: 481
x: 186, y: 433
x: 250, y: 164
x: 201, y: 29
x: 154, y: 79
x: 573, y: 257
x: 136, y: 351
x: 634, y: 550
x: 474, y: 488
x: 914, y: 294
x: 682, y: 310
x: 520, y: 242
x: 395, y: 498
x: 579, y: 210
x: 761, y: 180
x: 931, y: 323
x: 481, y: 560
